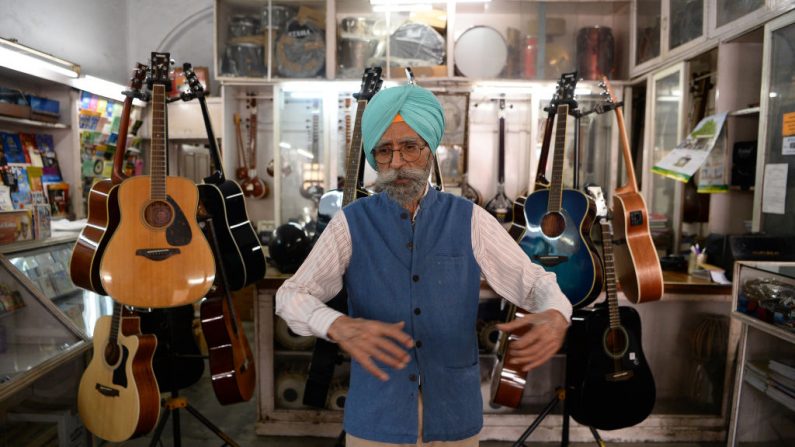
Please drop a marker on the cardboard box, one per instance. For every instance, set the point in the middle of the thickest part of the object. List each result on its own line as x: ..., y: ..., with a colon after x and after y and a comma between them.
x: 16, y: 226
x: 14, y: 110
x: 436, y: 71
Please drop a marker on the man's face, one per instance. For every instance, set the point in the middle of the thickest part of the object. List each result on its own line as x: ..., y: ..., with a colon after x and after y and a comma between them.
x: 404, y: 181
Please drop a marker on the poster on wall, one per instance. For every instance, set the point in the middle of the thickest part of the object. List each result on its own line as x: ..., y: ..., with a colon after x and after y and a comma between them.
x: 691, y: 154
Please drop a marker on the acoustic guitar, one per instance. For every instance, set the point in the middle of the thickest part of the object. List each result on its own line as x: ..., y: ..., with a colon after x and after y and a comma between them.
x: 609, y: 383
x: 500, y: 206
x: 558, y: 224
x: 118, y: 397
x: 326, y: 355
x: 232, y: 369
x: 240, y: 249
x: 637, y: 263
x: 157, y: 257
x: 103, y: 205
x: 519, y: 226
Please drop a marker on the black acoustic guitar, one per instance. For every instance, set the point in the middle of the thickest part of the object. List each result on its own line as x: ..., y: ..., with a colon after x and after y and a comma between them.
x: 500, y: 206
x: 326, y: 355
x: 241, y: 252
x: 610, y: 385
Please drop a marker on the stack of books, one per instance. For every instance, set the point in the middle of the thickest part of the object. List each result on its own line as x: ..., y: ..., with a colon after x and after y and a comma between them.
x: 776, y: 378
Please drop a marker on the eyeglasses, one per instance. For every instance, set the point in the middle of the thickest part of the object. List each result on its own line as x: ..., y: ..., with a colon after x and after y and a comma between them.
x: 409, y: 152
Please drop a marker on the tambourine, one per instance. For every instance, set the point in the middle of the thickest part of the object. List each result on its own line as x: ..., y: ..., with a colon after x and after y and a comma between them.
x: 300, y: 51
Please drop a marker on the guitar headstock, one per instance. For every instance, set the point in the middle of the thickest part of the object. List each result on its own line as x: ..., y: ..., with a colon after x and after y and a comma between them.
x: 607, y: 91
x: 160, y: 65
x: 598, y: 197
x: 564, y: 92
x: 138, y: 77
x: 371, y: 84
x: 193, y: 80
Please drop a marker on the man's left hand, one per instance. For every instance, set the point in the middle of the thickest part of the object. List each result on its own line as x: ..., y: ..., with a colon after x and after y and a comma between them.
x: 544, y: 337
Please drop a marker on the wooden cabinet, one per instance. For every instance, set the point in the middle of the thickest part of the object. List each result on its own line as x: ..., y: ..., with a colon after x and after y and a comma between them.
x: 761, y: 411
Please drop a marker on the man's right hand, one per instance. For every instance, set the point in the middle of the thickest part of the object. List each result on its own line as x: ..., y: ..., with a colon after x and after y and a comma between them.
x: 366, y: 340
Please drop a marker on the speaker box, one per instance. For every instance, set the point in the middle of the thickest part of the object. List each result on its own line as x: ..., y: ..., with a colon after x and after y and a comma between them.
x: 723, y: 250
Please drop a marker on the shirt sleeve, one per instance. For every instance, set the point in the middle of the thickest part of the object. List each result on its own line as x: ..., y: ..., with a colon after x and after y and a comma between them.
x: 510, y: 272
x: 300, y: 301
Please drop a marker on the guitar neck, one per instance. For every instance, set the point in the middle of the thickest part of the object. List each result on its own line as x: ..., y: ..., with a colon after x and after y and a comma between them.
x: 541, y: 180
x: 215, y: 152
x: 354, y: 158
x: 610, y: 273
x: 117, y: 175
x: 631, y: 184
x: 114, y: 324
x: 501, y: 168
x: 159, y: 139
x: 556, y: 186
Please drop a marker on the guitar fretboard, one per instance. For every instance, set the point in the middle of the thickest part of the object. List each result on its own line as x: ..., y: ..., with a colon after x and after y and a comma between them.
x: 157, y: 170
x: 610, y: 273
x: 114, y: 323
x: 353, y: 159
x: 556, y: 184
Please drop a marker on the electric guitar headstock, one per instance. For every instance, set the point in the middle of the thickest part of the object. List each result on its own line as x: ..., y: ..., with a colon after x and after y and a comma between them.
x: 610, y: 102
x: 193, y: 80
x: 138, y: 77
x: 602, y: 212
x: 371, y: 84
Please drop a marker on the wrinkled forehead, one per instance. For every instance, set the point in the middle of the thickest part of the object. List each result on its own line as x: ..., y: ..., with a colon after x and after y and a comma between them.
x: 399, y: 133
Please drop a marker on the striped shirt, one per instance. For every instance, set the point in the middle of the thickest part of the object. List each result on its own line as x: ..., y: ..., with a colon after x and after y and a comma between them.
x: 300, y: 301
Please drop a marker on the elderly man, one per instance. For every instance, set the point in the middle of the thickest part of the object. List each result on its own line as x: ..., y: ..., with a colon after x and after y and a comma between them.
x: 412, y: 258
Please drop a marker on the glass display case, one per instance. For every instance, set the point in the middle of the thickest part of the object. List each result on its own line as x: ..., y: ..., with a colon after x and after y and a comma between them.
x: 647, y: 17
x: 763, y: 410
x: 266, y: 39
x: 686, y: 22
x: 663, y: 195
x: 35, y: 336
x: 774, y: 196
x: 46, y: 266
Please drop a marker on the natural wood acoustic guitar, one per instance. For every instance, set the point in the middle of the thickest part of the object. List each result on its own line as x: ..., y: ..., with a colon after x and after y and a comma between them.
x: 103, y: 205
x: 158, y: 256
x: 118, y: 398
x: 637, y: 264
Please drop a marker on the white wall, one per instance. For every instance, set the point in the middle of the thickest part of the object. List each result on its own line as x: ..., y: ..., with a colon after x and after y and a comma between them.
x: 107, y: 37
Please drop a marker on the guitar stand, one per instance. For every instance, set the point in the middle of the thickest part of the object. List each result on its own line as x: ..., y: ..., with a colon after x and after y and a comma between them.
x: 560, y: 396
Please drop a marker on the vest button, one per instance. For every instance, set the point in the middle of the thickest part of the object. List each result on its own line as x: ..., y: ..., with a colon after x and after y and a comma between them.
x: 417, y: 311
x: 413, y: 377
x: 418, y: 343
x: 404, y: 216
x: 416, y: 278
x: 410, y: 245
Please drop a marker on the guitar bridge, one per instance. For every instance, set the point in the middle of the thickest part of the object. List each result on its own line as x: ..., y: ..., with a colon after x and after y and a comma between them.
x: 550, y: 261
x: 157, y: 254
x: 107, y: 391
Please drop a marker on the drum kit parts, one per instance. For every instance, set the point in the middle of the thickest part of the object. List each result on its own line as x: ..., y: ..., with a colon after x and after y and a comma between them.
x: 297, y: 36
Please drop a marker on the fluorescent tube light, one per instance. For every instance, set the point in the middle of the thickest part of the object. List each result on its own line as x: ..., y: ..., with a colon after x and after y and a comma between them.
x: 28, y: 60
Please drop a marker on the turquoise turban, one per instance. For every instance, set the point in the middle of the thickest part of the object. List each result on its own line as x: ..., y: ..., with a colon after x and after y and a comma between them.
x: 419, y: 108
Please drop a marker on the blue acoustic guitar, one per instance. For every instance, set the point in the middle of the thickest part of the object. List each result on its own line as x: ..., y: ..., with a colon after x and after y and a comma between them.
x: 558, y: 222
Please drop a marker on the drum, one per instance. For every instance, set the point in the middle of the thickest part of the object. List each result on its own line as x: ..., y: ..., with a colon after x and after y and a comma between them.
x: 417, y: 44
x: 354, y: 53
x: 481, y: 53
x: 595, y: 52
x: 244, y: 59
x: 242, y: 25
x: 300, y: 51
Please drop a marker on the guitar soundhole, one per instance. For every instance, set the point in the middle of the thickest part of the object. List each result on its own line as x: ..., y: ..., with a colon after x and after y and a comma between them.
x: 553, y: 224
x: 112, y: 353
x: 158, y: 214
x: 290, y: 395
x: 615, y: 342
x: 340, y: 402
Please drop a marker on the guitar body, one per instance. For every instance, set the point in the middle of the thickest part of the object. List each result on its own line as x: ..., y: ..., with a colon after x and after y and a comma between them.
x: 596, y: 396
x: 570, y: 255
x: 158, y: 258
x: 637, y: 264
x: 103, y: 219
x: 177, y: 362
x: 519, y: 225
x: 121, y: 401
x: 241, y: 251
x: 231, y: 361
x: 508, y: 380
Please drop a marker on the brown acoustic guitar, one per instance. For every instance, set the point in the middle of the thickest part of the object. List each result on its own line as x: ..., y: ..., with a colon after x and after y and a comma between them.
x: 158, y: 256
x: 637, y: 264
x: 118, y: 398
x: 103, y: 207
x: 231, y: 361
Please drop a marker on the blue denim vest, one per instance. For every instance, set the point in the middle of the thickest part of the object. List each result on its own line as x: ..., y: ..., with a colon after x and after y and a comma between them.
x: 426, y: 275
